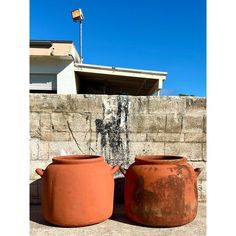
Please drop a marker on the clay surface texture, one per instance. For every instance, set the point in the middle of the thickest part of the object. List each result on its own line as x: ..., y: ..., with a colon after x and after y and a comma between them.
x: 161, y: 191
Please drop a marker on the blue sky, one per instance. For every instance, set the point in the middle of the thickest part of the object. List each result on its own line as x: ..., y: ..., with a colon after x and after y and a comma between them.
x: 157, y: 35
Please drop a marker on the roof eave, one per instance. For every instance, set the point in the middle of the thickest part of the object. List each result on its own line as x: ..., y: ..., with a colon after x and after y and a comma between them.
x: 120, y: 71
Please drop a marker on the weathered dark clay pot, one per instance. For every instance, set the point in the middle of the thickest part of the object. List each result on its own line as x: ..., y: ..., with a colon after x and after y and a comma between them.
x: 161, y: 191
x: 77, y: 190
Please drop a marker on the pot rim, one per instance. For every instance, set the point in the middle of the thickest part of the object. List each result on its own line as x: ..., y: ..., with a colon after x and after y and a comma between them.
x: 160, y: 159
x: 77, y: 159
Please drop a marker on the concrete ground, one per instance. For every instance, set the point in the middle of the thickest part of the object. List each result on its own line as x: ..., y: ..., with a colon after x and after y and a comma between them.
x: 117, y: 225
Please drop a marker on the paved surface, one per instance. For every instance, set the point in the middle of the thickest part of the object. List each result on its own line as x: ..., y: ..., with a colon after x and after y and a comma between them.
x: 118, y: 225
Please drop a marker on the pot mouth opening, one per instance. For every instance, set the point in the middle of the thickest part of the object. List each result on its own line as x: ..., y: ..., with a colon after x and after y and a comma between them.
x: 76, y: 159
x: 160, y: 159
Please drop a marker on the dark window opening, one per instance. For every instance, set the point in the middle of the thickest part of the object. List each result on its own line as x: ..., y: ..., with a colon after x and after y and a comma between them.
x: 116, y: 85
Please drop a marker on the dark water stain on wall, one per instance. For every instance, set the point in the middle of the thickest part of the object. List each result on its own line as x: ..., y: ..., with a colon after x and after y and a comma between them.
x: 113, y: 130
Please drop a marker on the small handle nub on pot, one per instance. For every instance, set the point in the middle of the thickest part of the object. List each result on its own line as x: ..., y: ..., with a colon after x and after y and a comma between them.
x: 197, y: 171
x: 123, y: 170
x: 114, y: 169
x: 39, y: 171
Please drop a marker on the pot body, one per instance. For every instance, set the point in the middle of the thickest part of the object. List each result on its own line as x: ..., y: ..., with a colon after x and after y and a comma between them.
x: 161, y: 191
x: 77, y: 190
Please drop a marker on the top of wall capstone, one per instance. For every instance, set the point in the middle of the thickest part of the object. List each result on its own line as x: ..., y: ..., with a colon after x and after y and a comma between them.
x: 92, y: 103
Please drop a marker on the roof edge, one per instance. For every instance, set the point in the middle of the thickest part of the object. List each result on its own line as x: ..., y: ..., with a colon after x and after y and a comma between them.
x: 48, y: 42
x: 120, y: 69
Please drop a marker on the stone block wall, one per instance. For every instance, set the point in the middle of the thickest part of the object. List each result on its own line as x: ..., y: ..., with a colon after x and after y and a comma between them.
x: 117, y: 127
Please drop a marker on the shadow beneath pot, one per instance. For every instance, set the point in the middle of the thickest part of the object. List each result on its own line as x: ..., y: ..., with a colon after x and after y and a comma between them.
x: 35, y: 201
x: 120, y: 216
x: 35, y: 190
x: 119, y: 190
x: 36, y: 215
x: 118, y: 212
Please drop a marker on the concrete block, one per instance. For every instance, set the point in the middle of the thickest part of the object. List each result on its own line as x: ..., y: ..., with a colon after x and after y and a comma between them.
x: 156, y: 137
x: 43, y: 150
x: 55, y: 136
x: 38, y: 149
x: 146, y: 123
x: 74, y: 121
x: 46, y: 136
x: 137, y: 137
x: 192, y: 151
x: 145, y: 148
x: 78, y: 103
x: 165, y: 137
x: 35, y: 134
x: 204, y: 124
x: 45, y: 122
x: 131, y: 137
x: 193, y: 124
x: 204, y: 151
x: 60, y: 103
x: 34, y: 125
x: 174, y: 123
x: 172, y: 137
x: 59, y: 121
x: 49, y: 103
x: 139, y: 105
x: 34, y: 148
x: 84, y: 137
x: 79, y: 122
x: 202, y: 190
x: 91, y: 136
x: 166, y: 105
x: 196, y: 104
x: 96, y: 148
x: 96, y: 104
x: 34, y: 121
x: 69, y: 147
x: 195, y: 137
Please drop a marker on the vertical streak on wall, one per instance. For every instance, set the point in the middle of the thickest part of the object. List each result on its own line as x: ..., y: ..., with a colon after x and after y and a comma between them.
x: 113, y: 130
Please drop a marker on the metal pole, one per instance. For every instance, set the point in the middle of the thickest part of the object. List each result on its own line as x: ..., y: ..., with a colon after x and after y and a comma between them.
x: 81, y: 55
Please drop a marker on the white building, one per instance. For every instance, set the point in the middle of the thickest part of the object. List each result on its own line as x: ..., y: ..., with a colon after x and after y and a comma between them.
x: 55, y: 67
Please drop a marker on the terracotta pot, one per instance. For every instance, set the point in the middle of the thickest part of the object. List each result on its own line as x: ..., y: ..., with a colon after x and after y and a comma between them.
x: 77, y: 190
x: 161, y: 191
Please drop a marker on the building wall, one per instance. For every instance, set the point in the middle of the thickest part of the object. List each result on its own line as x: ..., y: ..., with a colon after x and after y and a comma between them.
x: 62, y: 68
x: 66, y: 80
x: 118, y: 127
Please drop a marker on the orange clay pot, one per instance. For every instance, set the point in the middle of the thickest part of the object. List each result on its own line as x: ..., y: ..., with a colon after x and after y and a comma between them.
x: 77, y: 190
x: 161, y: 191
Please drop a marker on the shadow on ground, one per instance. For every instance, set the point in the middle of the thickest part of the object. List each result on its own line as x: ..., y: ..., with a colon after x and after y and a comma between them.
x: 120, y: 216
